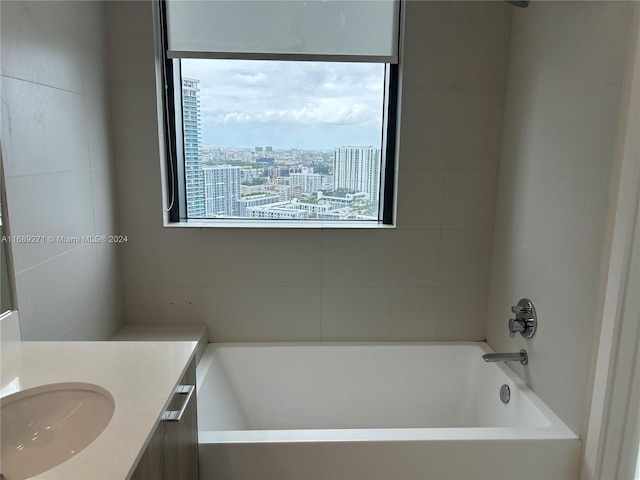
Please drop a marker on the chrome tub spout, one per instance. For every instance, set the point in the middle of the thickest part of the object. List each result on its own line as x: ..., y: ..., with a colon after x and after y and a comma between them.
x: 520, y: 356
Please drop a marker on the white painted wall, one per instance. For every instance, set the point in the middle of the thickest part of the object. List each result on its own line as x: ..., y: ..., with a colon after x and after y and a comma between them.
x: 428, y: 279
x: 613, y: 431
x: 566, y: 68
x: 58, y: 166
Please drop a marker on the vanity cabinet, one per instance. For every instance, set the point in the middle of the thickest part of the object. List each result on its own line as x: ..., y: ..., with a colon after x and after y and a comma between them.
x: 172, y: 452
x: 152, y: 463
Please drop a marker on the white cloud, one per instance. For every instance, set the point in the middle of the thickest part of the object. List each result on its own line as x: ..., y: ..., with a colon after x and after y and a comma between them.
x: 271, y: 94
x: 327, y: 111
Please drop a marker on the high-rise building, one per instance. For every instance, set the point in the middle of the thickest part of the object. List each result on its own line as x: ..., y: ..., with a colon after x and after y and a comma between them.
x: 357, y: 169
x: 308, y: 182
x: 222, y: 191
x: 192, y: 132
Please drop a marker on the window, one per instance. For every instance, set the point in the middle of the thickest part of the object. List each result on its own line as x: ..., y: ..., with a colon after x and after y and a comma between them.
x: 259, y: 132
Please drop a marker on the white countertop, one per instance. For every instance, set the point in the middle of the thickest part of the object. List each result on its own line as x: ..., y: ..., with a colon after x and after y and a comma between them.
x: 140, y: 376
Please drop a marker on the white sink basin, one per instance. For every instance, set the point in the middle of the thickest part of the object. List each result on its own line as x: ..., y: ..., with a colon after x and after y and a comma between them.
x: 47, y: 425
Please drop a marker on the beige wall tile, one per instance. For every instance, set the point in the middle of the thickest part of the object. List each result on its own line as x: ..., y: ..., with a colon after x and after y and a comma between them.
x: 43, y: 129
x: 159, y: 257
x: 164, y: 304
x: 49, y: 305
x: 50, y: 36
x: 460, y: 313
x: 378, y: 313
x: 465, y: 256
x: 420, y: 198
x: 274, y: 257
x: 469, y: 200
x: 57, y: 154
x: 49, y: 205
x: 425, y: 129
x: 263, y: 313
x: 380, y: 257
x: 558, y: 144
x: 104, y: 199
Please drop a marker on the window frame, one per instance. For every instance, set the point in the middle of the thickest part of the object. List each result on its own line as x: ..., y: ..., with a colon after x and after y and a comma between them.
x: 171, y: 77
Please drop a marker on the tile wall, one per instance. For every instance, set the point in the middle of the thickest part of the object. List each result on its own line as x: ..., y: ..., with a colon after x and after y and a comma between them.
x: 426, y: 280
x: 58, y: 164
x: 562, y: 111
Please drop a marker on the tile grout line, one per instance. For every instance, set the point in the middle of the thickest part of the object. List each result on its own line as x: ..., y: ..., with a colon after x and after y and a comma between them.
x: 41, y: 84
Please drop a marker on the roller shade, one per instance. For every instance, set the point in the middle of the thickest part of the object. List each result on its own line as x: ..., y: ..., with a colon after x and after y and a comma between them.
x: 330, y: 30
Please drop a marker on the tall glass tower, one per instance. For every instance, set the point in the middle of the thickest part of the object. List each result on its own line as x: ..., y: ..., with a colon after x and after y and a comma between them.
x: 222, y: 186
x: 357, y: 169
x: 192, y: 131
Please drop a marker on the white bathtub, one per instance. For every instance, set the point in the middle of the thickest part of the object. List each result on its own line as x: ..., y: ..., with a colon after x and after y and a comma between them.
x: 373, y: 411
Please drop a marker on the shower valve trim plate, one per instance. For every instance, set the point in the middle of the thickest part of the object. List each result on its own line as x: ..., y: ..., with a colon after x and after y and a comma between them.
x: 526, y: 321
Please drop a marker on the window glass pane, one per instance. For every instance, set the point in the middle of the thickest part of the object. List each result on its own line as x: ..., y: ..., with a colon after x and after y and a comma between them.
x: 282, y: 140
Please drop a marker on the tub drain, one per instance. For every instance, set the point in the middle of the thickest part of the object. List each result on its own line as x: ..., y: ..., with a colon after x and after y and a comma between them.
x: 505, y: 393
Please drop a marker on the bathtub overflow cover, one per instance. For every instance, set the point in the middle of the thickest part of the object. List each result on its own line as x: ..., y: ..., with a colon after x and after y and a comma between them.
x: 505, y: 393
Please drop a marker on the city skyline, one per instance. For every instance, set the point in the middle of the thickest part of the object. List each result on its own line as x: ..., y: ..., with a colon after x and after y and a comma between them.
x: 291, y: 187
x: 274, y: 183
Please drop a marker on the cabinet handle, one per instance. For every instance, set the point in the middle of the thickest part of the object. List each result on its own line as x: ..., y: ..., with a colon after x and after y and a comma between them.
x: 176, y: 415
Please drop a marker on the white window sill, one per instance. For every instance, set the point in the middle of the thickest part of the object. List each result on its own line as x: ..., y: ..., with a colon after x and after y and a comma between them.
x: 277, y: 224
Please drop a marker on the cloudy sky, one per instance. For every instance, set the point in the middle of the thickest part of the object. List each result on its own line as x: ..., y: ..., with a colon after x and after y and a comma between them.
x: 305, y: 105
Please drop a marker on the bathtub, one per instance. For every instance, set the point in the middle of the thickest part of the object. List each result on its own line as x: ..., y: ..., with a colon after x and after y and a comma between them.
x: 291, y: 411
